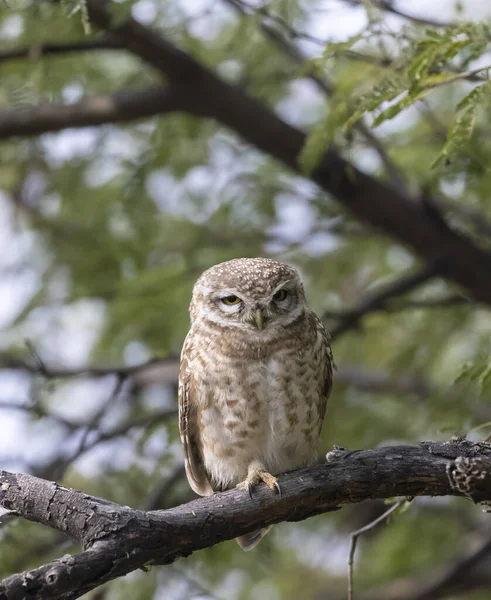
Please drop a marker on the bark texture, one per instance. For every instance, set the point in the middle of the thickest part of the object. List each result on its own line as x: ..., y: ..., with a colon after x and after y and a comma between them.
x: 116, y: 539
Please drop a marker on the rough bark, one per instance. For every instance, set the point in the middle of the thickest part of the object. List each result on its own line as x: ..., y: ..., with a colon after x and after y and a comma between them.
x: 117, y: 539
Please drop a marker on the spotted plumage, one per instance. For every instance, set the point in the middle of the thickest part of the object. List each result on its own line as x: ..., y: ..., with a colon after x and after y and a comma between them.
x: 256, y: 372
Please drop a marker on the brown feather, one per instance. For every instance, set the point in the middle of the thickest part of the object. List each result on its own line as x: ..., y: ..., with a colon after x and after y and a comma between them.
x: 188, y: 428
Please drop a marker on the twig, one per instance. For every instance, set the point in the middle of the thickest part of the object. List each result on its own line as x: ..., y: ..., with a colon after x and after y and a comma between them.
x: 96, y: 418
x: 323, y: 83
x: 387, y: 6
x: 393, y: 307
x: 354, y: 540
x: 38, y: 50
x: 37, y: 409
x: 464, y: 75
x: 378, y: 301
x: 50, y: 372
x: 41, y: 367
x: 57, y: 468
x: 460, y: 575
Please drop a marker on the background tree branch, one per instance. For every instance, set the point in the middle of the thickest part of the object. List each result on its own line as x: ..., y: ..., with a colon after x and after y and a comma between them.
x: 201, y: 92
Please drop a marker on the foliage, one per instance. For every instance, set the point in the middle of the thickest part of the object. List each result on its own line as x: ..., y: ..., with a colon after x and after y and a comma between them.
x: 106, y: 229
x: 437, y: 58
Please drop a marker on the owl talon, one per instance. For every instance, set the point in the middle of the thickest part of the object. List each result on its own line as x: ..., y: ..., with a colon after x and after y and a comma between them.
x: 249, y: 490
x: 256, y: 477
x: 247, y: 486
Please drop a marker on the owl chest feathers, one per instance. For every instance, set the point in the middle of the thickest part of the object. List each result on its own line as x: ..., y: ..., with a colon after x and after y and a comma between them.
x: 260, y: 404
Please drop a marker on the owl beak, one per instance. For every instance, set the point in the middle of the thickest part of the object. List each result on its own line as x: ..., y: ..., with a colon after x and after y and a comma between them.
x: 259, y: 319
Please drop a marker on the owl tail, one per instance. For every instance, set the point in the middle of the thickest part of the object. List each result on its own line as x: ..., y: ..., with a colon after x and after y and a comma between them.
x: 249, y: 540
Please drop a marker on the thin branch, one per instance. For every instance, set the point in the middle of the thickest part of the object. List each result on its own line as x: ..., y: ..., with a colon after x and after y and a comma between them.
x: 460, y: 575
x: 197, y: 90
x: 50, y: 372
x: 36, y: 51
x: 354, y: 540
x: 283, y: 24
x: 378, y: 301
x: 464, y: 75
x: 117, y: 539
x: 323, y: 83
x: 395, y: 307
x: 165, y: 371
x: 90, y: 426
x: 374, y: 381
x: 36, y: 409
x: 56, y: 468
x: 388, y: 6
x: 382, y: 206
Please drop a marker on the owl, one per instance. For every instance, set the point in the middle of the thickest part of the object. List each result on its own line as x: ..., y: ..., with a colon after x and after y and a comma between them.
x: 256, y: 372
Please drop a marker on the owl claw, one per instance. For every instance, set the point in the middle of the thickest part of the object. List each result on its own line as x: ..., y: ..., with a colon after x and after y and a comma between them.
x: 249, y: 490
x: 256, y: 477
x: 247, y: 486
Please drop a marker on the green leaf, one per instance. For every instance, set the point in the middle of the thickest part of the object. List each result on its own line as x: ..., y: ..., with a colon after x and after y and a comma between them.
x: 316, y: 144
x: 395, y: 109
x: 463, y: 124
x: 72, y: 7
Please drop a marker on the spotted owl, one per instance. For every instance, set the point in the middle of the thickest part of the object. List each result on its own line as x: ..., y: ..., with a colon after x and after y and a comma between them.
x: 256, y: 372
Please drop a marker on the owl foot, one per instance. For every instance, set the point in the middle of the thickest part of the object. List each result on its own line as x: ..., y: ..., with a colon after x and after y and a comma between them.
x: 255, y: 476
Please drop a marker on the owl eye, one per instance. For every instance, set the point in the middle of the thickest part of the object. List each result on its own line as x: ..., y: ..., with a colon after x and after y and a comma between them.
x: 280, y: 295
x: 231, y: 300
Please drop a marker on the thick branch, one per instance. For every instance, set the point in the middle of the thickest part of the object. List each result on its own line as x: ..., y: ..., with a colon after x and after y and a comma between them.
x: 117, y: 107
x: 281, y: 42
x: 117, y: 539
x: 413, y: 223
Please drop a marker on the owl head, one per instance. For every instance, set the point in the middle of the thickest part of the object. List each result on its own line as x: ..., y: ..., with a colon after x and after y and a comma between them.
x: 255, y: 294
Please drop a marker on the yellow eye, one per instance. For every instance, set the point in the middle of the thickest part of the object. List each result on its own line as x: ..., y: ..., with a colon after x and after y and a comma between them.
x: 280, y: 295
x: 231, y: 300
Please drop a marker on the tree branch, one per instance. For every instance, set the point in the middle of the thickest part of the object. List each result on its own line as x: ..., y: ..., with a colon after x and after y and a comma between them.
x: 388, y: 6
x: 36, y: 51
x: 166, y: 371
x: 90, y: 111
x: 201, y: 92
x: 8, y: 361
x: 378, y: 301
x: 411, y: 222
x: 323, y: 83
x: 117, y: 540
x: 460, y: 575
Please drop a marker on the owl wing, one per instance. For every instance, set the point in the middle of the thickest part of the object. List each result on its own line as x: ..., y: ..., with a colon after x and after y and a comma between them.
x: 188, y: 424
x: 326, y: 367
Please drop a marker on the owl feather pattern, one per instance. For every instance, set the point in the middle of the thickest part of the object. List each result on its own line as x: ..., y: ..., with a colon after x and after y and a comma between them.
x: 256, y: 372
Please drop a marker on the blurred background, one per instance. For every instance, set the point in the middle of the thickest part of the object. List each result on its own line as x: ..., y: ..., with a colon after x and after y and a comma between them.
x: 103, y: 231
